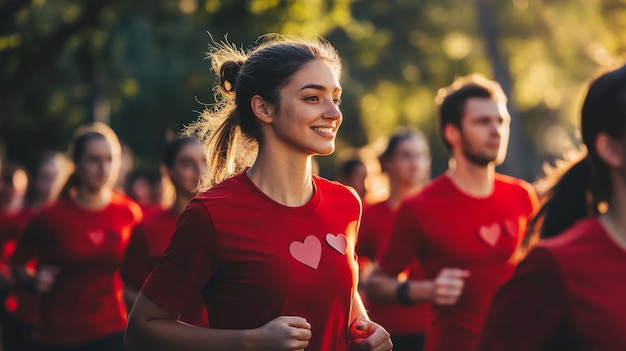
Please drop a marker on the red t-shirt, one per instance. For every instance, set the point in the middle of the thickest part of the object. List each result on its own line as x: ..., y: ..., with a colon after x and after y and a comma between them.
x: 374, y: 234
x: 446, y: 228
x: 567, y: 294
x: 12, y: 225
x: 21, y: 303
x: 86, y: 300
x: 147, y: 243
x: 254, y: 259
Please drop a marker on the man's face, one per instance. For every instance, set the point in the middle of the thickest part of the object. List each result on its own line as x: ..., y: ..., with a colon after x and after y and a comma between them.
x: 484, y: 131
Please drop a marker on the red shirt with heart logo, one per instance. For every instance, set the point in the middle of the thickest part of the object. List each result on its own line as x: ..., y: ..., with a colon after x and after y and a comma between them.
x: 376, y: 226
x: 445, y: 228
x: 254, y: 259
x: 567, y: 294
x: 147, y: 243
x: 86, y: 299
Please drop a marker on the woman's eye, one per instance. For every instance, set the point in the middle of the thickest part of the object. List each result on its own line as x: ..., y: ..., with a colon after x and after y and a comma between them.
x: 337, y: 101
x: 311, y: 98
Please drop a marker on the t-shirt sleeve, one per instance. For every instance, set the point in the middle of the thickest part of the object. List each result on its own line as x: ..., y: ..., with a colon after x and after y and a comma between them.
x: 527, y: 313
x: 404, y: 243
x: 188, y: 262
x: 364, y: 246
x: 533, y: 201
x: 33, y: 240
x: 137, y: 262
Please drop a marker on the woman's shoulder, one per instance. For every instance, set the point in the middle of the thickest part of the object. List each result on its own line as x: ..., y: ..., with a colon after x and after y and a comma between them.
x: 335, y: 189
x: 57, y: 208
x: 582, y: 236
x: 125, y: 203
x: 230, y: 188
x: 54, y: 214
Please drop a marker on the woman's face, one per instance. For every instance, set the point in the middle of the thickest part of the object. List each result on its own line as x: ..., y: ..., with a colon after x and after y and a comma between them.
x: 357, y: 180
x: 308, y: 117
x: 189, y: 166
x: 47, y: 182
x: 96, y: 167
x: 14, y: 186
x: 410, y: 162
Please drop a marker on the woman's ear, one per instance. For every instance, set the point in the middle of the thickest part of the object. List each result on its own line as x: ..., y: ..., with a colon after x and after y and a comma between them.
x: 610, y: 150
x: 262, y: 109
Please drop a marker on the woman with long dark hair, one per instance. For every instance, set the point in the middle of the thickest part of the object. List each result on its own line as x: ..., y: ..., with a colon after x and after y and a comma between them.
x: 568, y: 293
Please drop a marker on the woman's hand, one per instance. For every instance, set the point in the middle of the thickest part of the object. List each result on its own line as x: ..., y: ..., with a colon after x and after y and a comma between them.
x: 45, y: 278
x: 282, y: 333
x: 367, y: 335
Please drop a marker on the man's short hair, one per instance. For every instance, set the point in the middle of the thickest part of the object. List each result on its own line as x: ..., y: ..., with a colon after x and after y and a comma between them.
x: 451, y: 99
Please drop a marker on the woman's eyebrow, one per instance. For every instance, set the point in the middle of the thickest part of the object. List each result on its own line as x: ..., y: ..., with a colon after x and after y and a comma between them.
x: 317, y: 87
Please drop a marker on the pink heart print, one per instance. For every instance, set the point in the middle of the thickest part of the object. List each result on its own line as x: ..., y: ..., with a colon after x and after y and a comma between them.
x: 96, y: 236
x: 338, y: 242
x: 308, y: 252
x: 490, y: 234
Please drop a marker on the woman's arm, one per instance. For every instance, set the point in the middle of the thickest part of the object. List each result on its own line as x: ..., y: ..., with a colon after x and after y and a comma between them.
x: 130, y: 295
x: 528, y: 312
x: 34, y: 239
x: 365, y: 334
x: 358, y: 309
x: 152, y: 327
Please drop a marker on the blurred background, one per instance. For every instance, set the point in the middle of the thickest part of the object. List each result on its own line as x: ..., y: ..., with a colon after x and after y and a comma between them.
x: 140, y: 66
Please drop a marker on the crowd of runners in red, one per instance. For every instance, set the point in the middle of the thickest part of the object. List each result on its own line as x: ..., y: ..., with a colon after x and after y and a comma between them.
x: 238, y: 244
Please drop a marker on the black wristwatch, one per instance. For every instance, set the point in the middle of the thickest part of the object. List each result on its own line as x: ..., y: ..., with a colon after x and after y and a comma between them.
x: 402, y: 294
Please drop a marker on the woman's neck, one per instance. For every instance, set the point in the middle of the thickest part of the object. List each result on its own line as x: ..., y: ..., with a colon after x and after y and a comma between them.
x: 181, y: 201
x: 286, y: 180
x: 93, y: 199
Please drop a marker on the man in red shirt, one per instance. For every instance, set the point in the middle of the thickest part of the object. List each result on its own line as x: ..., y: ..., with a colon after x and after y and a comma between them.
x: 465, y: 226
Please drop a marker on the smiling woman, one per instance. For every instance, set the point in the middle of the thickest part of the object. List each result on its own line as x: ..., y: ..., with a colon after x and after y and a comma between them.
x: 232, y: 130
x: 265, y: 286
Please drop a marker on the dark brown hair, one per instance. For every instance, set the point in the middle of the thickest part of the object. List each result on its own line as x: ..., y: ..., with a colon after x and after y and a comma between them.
x: 452, y: 99
x: 229, y: 128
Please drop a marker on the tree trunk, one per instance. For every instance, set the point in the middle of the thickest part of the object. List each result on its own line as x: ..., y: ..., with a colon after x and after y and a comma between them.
x: 516, y: 163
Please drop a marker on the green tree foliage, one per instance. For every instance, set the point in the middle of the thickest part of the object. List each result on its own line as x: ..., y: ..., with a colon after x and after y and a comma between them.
x: 140, y: 66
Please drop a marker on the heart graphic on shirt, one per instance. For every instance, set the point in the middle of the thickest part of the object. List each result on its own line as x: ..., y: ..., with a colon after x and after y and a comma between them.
x: 96, y: 236
x: 490, y: 234
x: 338, y: 242
x: 511, y: 227
x: 308, y: 252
